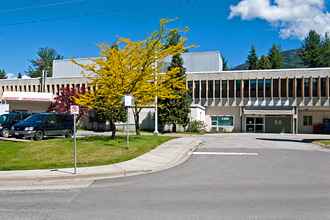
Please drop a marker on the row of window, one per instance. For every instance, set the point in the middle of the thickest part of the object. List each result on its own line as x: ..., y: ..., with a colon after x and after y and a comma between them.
x: 302, y: 87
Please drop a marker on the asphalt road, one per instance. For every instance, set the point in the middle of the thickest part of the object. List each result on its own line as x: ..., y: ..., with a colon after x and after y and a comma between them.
x: 230, y: 177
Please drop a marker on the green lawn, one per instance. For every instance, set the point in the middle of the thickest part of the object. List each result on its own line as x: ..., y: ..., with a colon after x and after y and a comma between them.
x: 326, y: 142
x: 59, y: 152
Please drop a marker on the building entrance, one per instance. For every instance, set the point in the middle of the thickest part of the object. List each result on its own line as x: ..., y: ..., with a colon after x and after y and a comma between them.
x: 255, y: 124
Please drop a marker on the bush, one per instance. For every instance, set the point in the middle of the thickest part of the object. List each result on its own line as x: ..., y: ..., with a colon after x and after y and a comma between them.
x: 198, y: 126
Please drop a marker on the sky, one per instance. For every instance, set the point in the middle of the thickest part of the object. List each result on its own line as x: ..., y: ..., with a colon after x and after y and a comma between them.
x: 74, y: 27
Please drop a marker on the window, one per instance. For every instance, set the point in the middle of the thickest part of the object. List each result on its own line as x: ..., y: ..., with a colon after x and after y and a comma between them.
x: 210, y: 89
x: 222, y: 120
x: 224, y: 88
x: 190, y: 88
x: 253, y: 85
x: 283, y: 87
x: 268, y: 87
x: 246, y: 88
x: 308, y: 120
x: 275, y: 88
x: 323, y: 87
x: 231, y: 88
x: 306, y: 88
x: 260, y: 88
x: 197, y: 90
x: 217, y: 89
x: 299, y: 85
x: 203, y: 89
x: 238, y: 88
x: 315, y: 87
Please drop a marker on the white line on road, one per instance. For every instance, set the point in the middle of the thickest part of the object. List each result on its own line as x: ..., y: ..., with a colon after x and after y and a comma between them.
x: 225, y: 153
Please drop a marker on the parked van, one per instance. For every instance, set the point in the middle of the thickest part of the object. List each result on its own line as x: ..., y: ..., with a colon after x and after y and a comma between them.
x: 8, y: 120
x: 44, y: 124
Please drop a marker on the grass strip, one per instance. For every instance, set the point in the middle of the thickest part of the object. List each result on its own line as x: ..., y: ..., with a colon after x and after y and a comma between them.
x: 59, y: 152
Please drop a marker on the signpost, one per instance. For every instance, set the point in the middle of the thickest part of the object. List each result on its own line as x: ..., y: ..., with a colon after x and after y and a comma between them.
x: 128, y: 101
x: 74, y: 110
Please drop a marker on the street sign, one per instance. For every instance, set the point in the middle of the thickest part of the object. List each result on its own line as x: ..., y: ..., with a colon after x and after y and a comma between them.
x: 128, y: 100
x: 74, y: 109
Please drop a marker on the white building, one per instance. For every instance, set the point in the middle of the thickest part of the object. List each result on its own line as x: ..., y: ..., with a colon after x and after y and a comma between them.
x: 274, y: 101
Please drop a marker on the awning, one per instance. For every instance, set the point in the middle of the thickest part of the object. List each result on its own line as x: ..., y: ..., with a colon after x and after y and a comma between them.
x: 28, y: 96
x: 268, y: 111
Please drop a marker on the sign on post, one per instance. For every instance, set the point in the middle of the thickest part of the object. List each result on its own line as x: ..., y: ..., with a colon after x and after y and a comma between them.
x: 74, y: 110
x: 128, y: 101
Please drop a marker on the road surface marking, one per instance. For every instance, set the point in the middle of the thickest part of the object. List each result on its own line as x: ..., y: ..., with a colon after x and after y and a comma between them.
x: 225, y: 153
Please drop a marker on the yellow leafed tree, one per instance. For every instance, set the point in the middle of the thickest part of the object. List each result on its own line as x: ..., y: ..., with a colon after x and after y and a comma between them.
x: 133, y: 67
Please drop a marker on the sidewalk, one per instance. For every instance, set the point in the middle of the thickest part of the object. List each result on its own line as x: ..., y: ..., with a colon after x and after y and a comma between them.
x: 162, y: 157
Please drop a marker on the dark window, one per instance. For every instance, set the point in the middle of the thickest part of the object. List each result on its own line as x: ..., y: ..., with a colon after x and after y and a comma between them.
x: 275, y: 88
x: 246, y: 88
x: 308, y: 120
x: 61, y: 118
x: 203, y: 89
x: 231, y: 88
x: 50, y: 119
x: 283, y: 87
x: 315, y: 87
x: 253, y: 84
x: 224, y: 88
x: 217, y: 89
x: 268, y: 85
x: 190, y: 88
x: 260, y: 88
x: 306, y: 88
x: 210, y: 89
x: 197, y: 89
x: 323, y: 87
x: 238, y: 88
x: 299, y: 90
x: 290, y: 87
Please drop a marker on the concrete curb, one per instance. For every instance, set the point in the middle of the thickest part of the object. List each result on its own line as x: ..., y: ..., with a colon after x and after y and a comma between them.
x: 156, y: 160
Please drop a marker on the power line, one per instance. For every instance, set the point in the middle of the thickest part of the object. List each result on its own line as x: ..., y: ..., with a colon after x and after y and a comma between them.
x: 100, y: 13
x: 39, y: 6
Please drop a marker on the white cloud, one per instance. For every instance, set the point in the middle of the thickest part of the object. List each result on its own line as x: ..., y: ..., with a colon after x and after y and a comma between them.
x: 10, y: 76
x: 25, y: 77
x: 293, y: 18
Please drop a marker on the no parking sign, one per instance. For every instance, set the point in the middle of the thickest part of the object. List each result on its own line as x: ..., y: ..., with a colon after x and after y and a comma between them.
x: 74, y: 109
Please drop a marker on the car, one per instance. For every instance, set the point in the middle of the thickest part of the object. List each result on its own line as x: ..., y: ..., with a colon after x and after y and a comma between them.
x: 8, y: 120
x: 38, y: 126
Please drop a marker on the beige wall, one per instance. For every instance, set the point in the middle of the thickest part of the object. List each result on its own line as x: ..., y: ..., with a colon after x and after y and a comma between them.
x: 30, y: 106
x: 224, y: 111
x: 318, y: 117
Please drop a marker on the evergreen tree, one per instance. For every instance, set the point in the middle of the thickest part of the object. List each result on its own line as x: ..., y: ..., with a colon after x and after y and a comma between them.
x: 275, y: 57
x: 264, y: 63
x: 3, y: 74
x: 44, y: 61
x: 311, y: 50
x: 175, y: 111
x: 19, y: 76
x: 224, y: 64
x: 252, y: 59
x: 326, y: 51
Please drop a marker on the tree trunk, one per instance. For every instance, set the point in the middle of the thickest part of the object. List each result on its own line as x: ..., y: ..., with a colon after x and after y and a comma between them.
x: 113, y: 129
x: 137, y: 125
x: 174, y: 128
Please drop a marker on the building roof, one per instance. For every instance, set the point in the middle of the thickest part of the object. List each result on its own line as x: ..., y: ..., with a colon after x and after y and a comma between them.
x: 193, y: 62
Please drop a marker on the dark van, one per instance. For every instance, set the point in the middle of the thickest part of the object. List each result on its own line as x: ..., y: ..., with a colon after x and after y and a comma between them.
x: 8, y: 120
x: 44, y: 124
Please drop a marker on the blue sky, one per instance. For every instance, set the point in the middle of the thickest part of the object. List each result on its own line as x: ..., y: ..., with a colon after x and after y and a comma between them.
x: 228, y: 26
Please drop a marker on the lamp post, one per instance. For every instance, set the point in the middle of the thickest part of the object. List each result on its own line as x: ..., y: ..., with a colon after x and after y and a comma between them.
x: 156, y: 109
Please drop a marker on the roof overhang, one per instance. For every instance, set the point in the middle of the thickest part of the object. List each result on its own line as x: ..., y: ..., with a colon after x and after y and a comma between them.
x: 28, y: 96
x: 268, y: 112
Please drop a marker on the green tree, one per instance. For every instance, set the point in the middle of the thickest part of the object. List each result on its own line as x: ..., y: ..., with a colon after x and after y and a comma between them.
x: 264, y: 63
x: 45, y: 58
x: 275, y: 57
x: 224, y: 64
x: 3, y: 74
x: 19, y: 76
x: 131, y: 69
x: 311, y: 50
x: 175, y: 111
x: 326, y: 51
x: 252, y: 59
